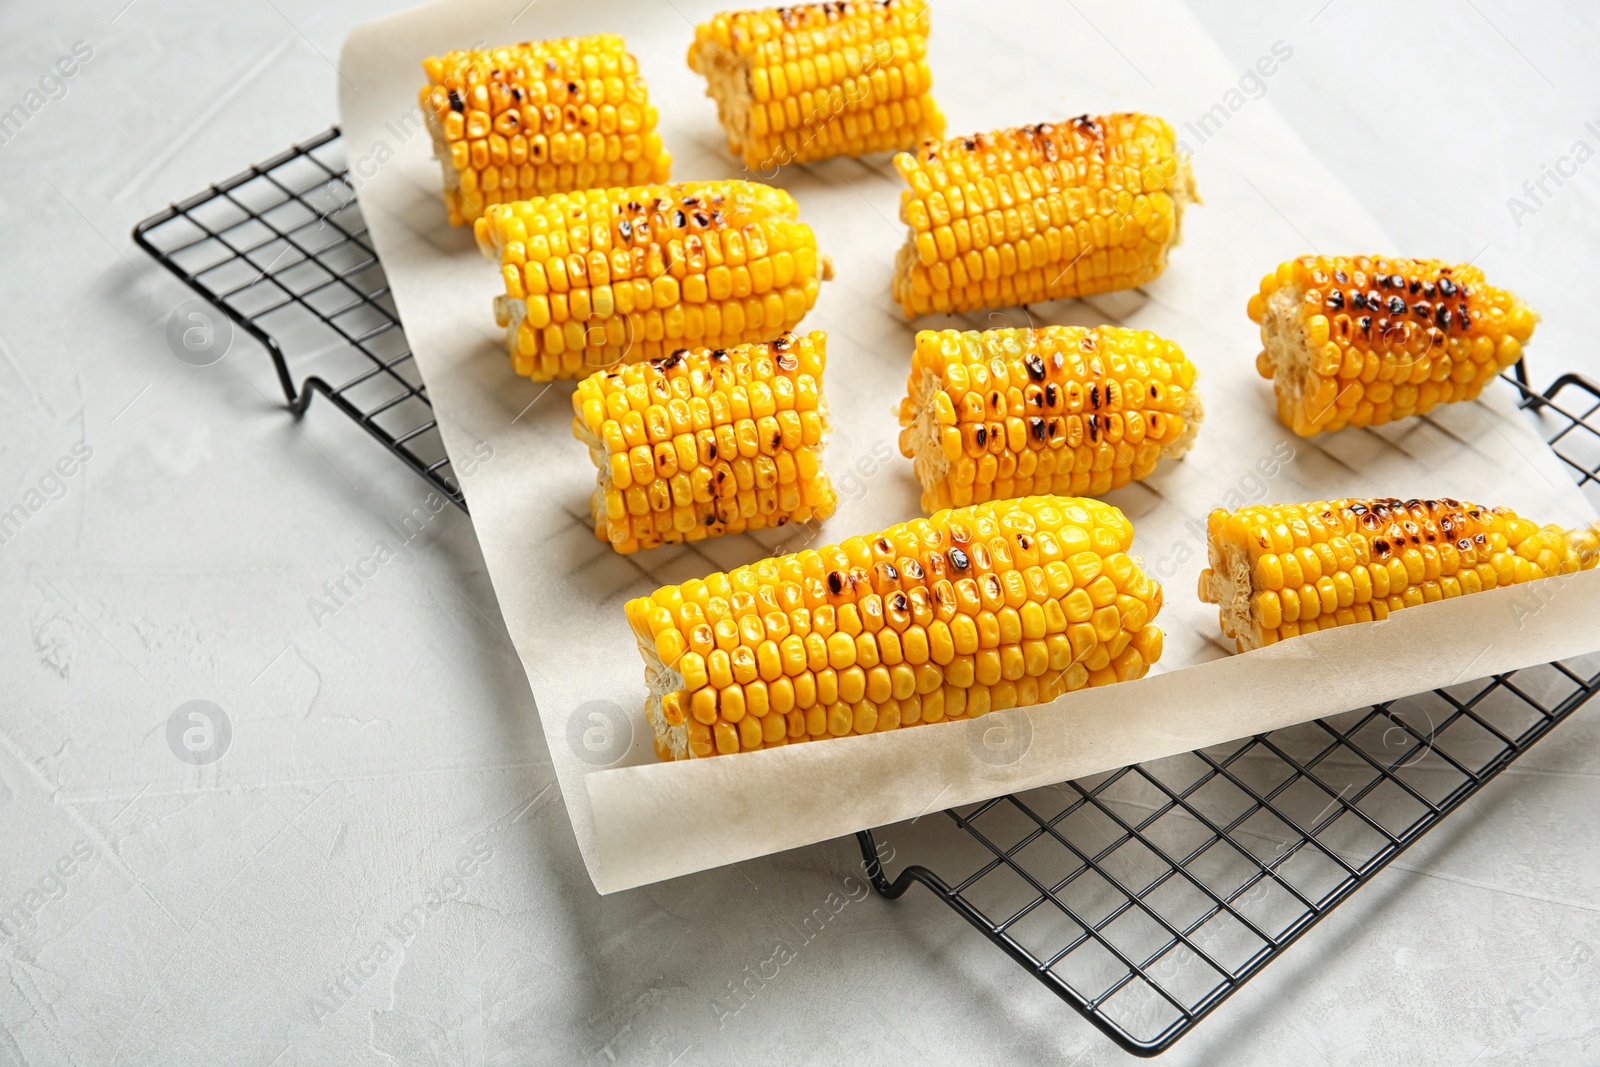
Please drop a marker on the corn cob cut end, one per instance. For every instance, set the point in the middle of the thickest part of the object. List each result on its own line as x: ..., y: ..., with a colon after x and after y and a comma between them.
x: 1584, y: 544
x: 539, y: 117
x: 707, y: 442
x: 1361, y: 341
x: 449, y: 178
x: 1283, y: 570
x: 1227, y: 584
x: 1035, y: 213
x: 859, y: 84
x: 664, y: 685
x: 1183, y: 191
x: 1059, y: 409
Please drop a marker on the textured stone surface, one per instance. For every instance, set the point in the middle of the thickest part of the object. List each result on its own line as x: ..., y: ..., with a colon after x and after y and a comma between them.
x: 385, y: 819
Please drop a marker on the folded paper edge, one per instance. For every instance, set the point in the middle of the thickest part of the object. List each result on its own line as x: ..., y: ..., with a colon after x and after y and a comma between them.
x: 1551, y: 619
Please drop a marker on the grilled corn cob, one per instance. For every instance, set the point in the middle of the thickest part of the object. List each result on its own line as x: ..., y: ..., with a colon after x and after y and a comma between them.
x: 706, y: 442
x: 1039, y: 213
x: 1062, y: 409
x: 537, y: 118
x: 608, y: 275
x: 1287, y: 569
x: 972, y: 610
x: 1359, y: 341
x: 808, y: 82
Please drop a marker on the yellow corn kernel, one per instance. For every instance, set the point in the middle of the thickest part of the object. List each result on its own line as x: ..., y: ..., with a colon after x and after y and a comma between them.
x: 1070, y: 397
x: 614, y: 276
x: 945, y: 617
x: 1365, y: 340
x: 1099, y: 200
x: 859, y: 83
x: 1413, y: 552
x: 727, y: 477
x: 501, y: 109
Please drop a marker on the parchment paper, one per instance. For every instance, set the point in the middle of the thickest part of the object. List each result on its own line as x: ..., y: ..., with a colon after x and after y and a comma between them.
x: 996, y: 63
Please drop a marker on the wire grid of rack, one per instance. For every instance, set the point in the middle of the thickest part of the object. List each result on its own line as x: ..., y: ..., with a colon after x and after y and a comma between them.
x: 1146, y: 896
x: 1143, y: 897
x: 282, y: 250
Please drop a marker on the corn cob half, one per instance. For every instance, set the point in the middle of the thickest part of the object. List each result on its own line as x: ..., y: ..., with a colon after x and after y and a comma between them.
x: 976, y: 609
x: 1039, y: 213
x: 794, y: 84
x: 707, y: 442
x: 537, y: 118
x: 1061, y: 409
x: 1287, y: 569
x: 604, y: 276
x: 1360, y: 341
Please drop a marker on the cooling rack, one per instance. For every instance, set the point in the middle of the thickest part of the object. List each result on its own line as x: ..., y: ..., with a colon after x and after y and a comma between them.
x: 1143, y: 897
x: 282, y: 251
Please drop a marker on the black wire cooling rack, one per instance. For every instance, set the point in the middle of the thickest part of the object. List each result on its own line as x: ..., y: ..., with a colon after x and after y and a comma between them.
x: 282, y: 250
x: 1143, y: 897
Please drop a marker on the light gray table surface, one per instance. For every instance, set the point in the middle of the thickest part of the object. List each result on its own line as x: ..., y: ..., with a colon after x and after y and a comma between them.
x: 179, y: 915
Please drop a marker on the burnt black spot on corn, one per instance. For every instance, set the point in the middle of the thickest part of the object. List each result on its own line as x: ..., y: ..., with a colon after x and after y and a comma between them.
x: 1283, y: 570
x: 500, y: 133
x: 696, y: 445
x: 588, y: 286
x: 1331, y: 370
x: 1030, y: 214
x: 1116, y: 408
x: 770, y: 654
x: 814, y: 81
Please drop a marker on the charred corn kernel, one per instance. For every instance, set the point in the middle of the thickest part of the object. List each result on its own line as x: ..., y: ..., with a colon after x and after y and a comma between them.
x: 933, y: 619
x: 1041, y: 212
x: 713, y: 486
x: 537, y: 118
x: 629, y: 271
x: 1060, y: 409
x: 1385, y: 554
x: 807, y: 82
x: 1360, y: 341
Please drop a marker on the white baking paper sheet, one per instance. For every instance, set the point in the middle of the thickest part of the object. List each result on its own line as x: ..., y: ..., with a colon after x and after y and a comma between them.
x: 995, y: 63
